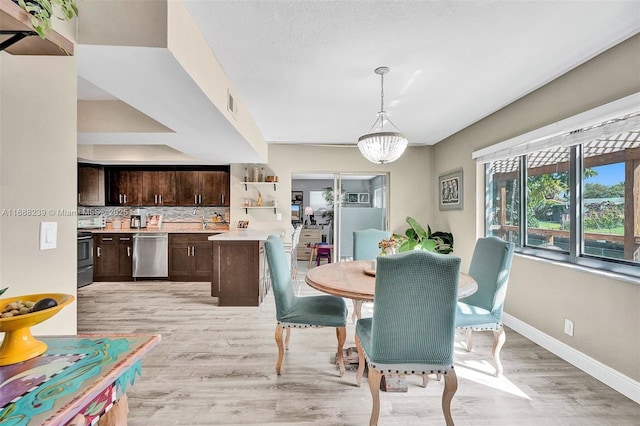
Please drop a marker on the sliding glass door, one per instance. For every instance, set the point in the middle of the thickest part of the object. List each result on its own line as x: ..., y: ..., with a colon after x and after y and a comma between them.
x: 340, y: 203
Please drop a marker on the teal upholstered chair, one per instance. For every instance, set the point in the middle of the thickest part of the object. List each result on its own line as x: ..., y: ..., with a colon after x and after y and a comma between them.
x: 490, y: 266
x: 365, y: 243
x: 365, y: 247
x: 302, y: 312
x: 412, y: 330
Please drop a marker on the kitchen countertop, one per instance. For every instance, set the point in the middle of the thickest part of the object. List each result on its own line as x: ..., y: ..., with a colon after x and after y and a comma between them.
x: 247, y: 235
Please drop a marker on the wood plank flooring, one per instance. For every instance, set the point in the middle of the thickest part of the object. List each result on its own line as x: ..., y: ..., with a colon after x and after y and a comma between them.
x: 215, y: 366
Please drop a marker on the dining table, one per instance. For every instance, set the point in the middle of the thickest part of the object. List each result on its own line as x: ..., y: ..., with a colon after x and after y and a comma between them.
x: 356, y: 280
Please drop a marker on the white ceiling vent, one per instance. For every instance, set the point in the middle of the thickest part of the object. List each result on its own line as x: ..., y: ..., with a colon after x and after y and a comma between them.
x: 231, y: 105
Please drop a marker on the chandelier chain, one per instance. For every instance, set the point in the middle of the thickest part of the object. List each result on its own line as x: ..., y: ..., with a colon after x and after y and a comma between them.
x: 381, y: 92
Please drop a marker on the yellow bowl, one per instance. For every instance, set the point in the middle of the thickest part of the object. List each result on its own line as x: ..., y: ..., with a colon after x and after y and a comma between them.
x: 18, y: 344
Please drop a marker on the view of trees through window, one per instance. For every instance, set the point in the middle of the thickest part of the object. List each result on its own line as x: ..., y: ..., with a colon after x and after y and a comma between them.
x: 607, y: 210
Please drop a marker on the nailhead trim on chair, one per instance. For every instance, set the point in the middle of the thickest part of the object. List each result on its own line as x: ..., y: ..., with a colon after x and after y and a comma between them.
x: 488, y: 327
x: 371, y: 364
x: 292, y: 325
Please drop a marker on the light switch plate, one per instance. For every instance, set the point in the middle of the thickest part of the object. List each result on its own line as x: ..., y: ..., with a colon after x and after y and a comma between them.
x: 48, y: 235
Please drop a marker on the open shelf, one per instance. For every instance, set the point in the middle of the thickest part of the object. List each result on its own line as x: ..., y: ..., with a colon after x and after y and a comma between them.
x: 246, y: 184
x: 247, y: 208
x: 14, y: 18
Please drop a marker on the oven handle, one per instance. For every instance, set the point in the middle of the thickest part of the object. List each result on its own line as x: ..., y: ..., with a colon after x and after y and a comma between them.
x: 87, y: 237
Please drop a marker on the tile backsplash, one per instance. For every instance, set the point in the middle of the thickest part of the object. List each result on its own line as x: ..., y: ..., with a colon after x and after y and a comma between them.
x: 169, y: 214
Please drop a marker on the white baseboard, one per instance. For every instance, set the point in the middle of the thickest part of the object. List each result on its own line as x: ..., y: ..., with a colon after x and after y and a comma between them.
x: 607, y: 375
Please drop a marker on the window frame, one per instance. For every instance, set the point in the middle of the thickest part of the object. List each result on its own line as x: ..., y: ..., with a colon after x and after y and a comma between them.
x: 576, y: 255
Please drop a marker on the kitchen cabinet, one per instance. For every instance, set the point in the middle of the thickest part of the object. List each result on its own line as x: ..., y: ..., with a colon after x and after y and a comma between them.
x: 240, y: 273
x: 158, y: 188
x: 90, y: 185
x: 124, y: 187
x: 112, y: 257
x: 190, y: 257
x: 202, y: 188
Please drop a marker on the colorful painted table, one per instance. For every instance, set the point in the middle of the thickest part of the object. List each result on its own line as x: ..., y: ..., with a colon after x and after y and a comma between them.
x: 84, y: 374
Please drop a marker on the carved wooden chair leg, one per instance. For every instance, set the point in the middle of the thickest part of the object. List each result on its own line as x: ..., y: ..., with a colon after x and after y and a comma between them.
x: 361, y: 362
x: 374, y: 385
x: 499, y: 337
x: 286, y: 338
x: 450, y: 388
x: 280, y: 348
x: 469, y: 339
x: 342, y: 337
x: 357, y: 310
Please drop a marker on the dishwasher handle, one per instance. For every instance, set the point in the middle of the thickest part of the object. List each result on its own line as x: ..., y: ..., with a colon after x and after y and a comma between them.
x: 136, y: 237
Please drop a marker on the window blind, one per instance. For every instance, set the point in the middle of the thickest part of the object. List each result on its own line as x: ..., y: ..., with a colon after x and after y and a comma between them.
x: 622, y: 115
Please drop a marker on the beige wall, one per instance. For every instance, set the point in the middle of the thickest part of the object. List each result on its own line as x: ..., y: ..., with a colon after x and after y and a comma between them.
x: 606, y: 311
x: 38, y: 171
x: 411, y: 189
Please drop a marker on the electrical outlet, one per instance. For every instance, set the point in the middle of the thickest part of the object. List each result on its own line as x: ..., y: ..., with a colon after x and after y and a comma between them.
x: 568, y: 327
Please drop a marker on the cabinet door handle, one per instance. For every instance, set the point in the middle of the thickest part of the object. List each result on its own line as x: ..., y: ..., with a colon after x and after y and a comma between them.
x: 107, y: 239
x: 195, y: 199
x: 97, y: 251
x: 119, y: 198
x: 222, y: 198
x: 160, y: 198
x: 199, y: 198
x: 128, y: 251
x: 193, y: 251
x: 155, y: 198
x: 125, y: 198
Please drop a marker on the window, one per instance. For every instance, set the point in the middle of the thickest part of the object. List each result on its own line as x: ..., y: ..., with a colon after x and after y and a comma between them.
x: 577, y: 200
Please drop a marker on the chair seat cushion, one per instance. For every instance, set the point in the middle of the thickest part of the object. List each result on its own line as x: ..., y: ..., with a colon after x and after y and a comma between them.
x: 474, y: 316
x: 325, y: 311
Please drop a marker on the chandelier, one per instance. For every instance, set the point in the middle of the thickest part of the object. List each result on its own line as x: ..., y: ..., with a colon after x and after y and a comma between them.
x: 384, y: 143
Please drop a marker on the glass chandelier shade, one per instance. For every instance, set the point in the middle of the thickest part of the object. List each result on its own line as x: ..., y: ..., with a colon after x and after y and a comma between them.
x: 384, y: 143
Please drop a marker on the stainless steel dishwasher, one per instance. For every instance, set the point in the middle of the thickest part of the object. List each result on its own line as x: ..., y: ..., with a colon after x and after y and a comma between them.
x: 151, y: 255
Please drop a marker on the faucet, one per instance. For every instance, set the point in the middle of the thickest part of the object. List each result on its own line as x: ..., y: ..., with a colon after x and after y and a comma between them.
x: 204, y: 224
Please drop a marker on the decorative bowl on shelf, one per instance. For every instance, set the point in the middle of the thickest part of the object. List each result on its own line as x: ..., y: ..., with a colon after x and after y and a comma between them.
x: 18, y: 344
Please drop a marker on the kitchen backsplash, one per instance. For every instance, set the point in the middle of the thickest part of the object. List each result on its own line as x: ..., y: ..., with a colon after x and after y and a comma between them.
x: 169, y: 214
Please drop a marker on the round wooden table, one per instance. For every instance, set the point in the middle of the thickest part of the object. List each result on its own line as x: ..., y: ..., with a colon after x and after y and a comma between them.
x: 348, y: 279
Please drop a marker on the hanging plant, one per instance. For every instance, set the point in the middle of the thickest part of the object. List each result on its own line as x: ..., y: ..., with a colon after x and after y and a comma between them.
x: 42, y: 11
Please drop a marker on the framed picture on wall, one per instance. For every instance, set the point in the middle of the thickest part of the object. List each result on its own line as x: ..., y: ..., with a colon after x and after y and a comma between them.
x: 296, y: 197
x: 450, y: 191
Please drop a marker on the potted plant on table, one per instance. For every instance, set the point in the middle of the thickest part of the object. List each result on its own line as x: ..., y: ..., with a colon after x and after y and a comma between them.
x: 416, y: 238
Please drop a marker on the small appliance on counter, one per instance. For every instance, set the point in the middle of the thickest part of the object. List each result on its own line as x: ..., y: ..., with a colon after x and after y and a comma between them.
x: 91, y: 222
x: 138, y: 219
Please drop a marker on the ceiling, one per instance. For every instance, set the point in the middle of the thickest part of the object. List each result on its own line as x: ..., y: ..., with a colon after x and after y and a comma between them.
x: 305, y: 69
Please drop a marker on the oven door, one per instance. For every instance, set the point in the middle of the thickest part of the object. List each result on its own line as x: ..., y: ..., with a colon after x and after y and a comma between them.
x: 85, y: 250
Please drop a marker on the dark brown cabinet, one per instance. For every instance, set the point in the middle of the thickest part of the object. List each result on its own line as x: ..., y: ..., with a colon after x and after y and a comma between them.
x: 202, y: 188
x: 112, y: 257
x: 90, y: 185
x: 124, y: 187
x: 239, y: 274
x: 158, y: 188
x: 190, y: 257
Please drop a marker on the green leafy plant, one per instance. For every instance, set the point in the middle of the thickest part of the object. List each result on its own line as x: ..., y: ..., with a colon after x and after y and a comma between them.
x: 42, y: 11
x: 416, y: 238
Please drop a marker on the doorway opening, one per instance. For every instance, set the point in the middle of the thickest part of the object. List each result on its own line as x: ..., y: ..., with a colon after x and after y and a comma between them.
x: 332, y: 205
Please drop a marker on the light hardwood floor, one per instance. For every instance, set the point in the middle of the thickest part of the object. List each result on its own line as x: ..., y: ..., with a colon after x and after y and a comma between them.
x: 215, y: 366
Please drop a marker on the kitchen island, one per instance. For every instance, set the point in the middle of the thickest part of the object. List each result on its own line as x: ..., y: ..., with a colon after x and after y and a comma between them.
x: 240, y: 274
